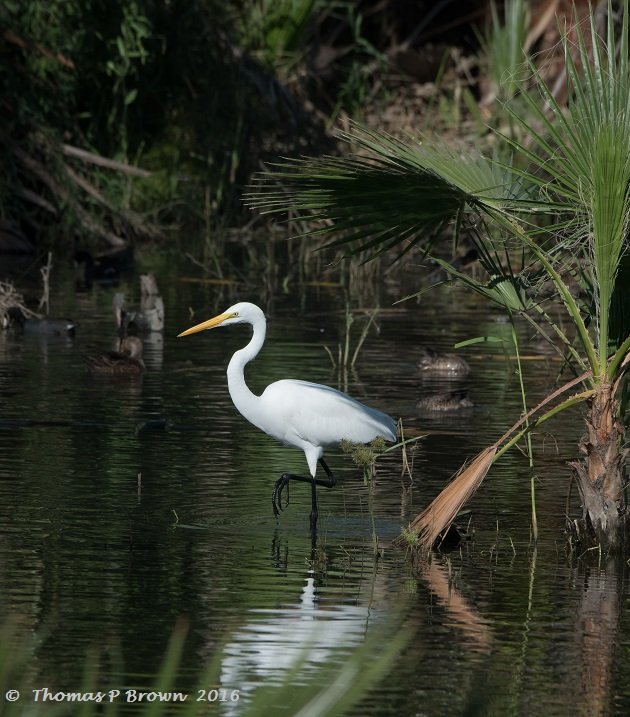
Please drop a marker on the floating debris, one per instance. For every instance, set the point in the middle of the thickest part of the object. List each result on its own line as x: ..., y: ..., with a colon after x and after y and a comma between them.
x: 10, y: 297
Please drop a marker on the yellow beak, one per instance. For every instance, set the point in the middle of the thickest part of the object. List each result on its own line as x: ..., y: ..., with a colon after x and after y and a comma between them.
x: 209, y: 324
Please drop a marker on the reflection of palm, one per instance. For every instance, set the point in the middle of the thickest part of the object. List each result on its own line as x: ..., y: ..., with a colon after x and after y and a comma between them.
x: 465, y: 617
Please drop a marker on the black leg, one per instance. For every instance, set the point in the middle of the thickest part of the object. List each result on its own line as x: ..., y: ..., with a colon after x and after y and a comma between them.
x: 313, y: 517
x: 284, y: 481
x: 331, y: 481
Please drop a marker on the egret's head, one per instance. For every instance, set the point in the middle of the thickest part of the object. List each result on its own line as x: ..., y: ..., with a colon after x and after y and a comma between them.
x: 241, y: 313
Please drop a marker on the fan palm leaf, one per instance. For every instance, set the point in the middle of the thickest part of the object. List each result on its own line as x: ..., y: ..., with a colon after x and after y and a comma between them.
x: 583, y: 152
x: 391, y: 193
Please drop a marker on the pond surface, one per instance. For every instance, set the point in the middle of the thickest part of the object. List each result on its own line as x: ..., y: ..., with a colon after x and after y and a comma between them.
x: 129, y: 506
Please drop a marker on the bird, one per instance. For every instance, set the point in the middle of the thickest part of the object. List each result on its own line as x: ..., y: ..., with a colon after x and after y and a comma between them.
x: 445, y: 365
x: 36, y: 326
x: 301, y: 414
x: 445, y: 402
x: 126, y: 361
x: 150, y: 316
x: 271, y: 645
x: 126, y: 358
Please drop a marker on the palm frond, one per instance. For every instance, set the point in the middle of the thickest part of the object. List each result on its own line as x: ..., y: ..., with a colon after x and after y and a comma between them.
x: 391, y: 192
x: 442, y: 511
x: 583, y: 153
x: 503, y: 45
x: 505, y: 289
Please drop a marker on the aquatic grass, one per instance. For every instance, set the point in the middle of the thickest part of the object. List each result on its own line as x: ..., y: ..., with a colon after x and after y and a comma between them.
x: 528, y: 437
x: 328, y: 690
x: 364, y: 456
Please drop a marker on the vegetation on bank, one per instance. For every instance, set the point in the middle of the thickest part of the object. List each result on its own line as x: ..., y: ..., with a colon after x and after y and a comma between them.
x: 548, y: 216
x: 121, y: 121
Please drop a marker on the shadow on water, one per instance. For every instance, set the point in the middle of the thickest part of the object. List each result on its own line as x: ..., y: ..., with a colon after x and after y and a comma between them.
x: 125, y: 505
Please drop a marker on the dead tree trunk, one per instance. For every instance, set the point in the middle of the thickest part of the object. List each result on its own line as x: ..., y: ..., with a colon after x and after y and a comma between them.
x: 600, y: 474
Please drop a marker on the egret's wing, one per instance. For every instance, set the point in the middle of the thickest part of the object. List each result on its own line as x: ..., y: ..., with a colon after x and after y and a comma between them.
x: 323, y: 416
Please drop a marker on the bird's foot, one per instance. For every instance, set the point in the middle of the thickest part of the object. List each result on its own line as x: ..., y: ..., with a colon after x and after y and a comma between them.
x: 276, y: 496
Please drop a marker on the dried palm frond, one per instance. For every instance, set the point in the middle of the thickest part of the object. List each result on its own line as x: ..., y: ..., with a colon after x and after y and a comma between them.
x: 441, y: 512
x: 438, y: 516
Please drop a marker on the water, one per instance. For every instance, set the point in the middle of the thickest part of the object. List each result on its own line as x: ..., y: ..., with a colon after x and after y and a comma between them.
x: 129, y: 505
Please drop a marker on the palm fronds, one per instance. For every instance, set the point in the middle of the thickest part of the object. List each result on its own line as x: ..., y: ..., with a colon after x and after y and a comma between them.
x: 390, y: 193
x: 570, y: 164
x: 583, y: 152
x: 442, y: 511
x: 503, y: 45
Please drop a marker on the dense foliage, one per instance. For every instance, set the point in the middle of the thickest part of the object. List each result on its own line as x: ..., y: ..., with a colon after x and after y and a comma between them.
x: 163, y: 85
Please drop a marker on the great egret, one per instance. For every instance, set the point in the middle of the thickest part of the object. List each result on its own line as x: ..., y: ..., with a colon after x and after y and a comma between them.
x: 298, y: 413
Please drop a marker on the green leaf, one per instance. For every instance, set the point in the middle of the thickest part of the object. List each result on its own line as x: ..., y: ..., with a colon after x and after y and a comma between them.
x: 131, y: 96
x: 479, y: 340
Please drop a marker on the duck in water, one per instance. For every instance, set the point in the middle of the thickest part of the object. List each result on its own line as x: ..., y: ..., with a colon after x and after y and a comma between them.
x: 444, y: 365
x: 446, y: 402
x: 126, y: 361
x: 15, y: 318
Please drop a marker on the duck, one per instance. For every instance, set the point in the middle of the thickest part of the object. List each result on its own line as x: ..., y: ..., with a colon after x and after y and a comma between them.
x: 126, y: 361
x: 150, y: 316
x: 46, y: 326
x: 445, y: 365
x: 446, y: 402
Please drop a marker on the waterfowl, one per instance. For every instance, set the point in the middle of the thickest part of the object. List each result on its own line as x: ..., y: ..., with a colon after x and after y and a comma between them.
x: 150, y: 316
x: 127, y: 361
x: 15, y: 317
x: 106, y: 268
x: 446, y: 365
x: 301, y: 414
x: 446, y: 402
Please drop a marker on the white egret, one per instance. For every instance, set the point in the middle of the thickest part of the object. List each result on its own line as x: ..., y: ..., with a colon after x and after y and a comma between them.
x: 298, y: 413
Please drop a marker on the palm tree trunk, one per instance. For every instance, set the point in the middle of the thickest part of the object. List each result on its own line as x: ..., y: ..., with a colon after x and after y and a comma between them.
x: 600, y: 475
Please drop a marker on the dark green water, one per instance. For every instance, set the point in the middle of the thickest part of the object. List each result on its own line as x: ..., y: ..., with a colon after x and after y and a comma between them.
x: 110, y: 534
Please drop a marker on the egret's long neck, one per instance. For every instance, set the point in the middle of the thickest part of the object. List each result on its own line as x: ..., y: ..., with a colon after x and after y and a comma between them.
x: 245, y: 401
